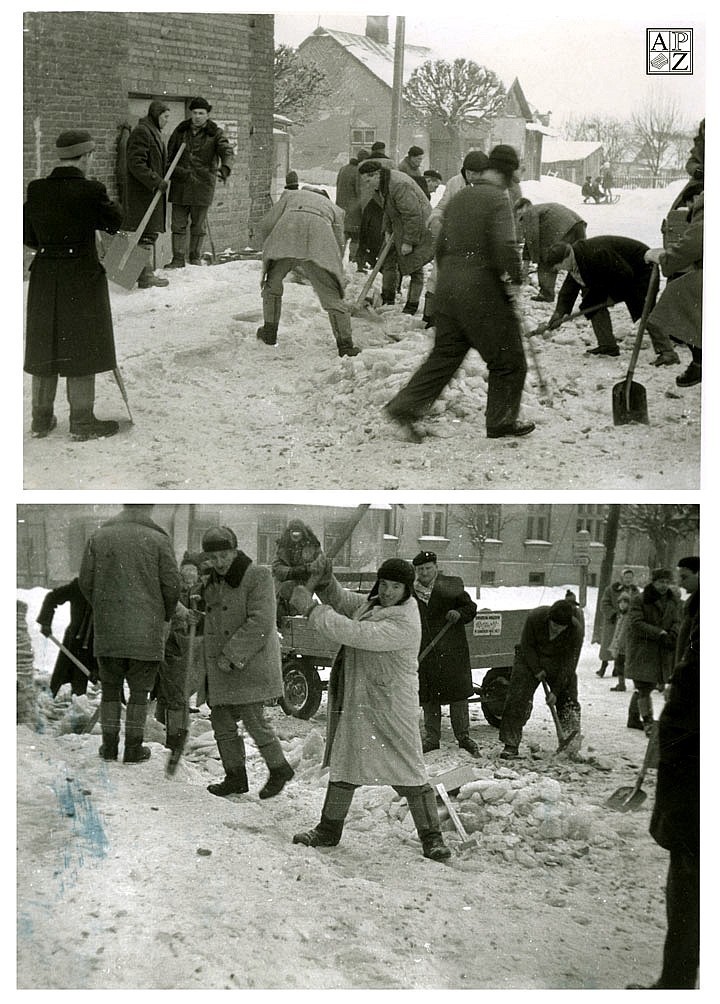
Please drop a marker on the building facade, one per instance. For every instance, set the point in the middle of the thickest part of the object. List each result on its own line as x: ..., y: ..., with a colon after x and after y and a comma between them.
x: 100, y: 70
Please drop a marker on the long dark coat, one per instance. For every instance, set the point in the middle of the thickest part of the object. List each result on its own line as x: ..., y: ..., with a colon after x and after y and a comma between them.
x: 69, y: 324
x: 78, y: 637
x: 193, y: 180
x: 347, y: 196
x: 648, y: 657
x: 675, y: 822
x: 444, y: 673
x: 146, y: 167
x: 612, y: 267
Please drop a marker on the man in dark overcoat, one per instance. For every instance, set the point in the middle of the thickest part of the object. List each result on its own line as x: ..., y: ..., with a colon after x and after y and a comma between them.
x: 69, y: 324
x: 146, y: 167
x: 543, y: 225
x: 207, y: 156
x: 549, y: 649
x: 675, y: 821
x: 129, y: 576
x: 476, y: 247
x: 78, y: 637
x: 601, y: 269
x: 444, y: 673
x: 347, y: 196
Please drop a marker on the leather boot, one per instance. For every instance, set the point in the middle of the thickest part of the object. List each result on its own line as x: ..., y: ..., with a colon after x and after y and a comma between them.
x: 232, y: 784
x: 83, y: 423
x: 342, y: 329
x: 178, y: 253
x: 267, y: 333
x: 135, y: 714
x: 109, y: 748
x: 110, y: 712
x: 176, y: 733
x: 43, y: 423
x: 277, y: 779
x: 272, y: 309
x: 194, y: 257
x: 338, y: 799
x: 423, y: 809
x: 147, y: 279
x: 427, y: 315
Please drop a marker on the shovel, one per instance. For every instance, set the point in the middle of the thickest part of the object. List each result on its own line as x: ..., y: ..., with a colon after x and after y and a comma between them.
x: 94, y: 718
x: 465, y: 839
x: 629, y: 400
x: 564, y: 738
x: 362, y: 306
x: 542, y: 328
x: 628, y: 799
x: 124, y: 260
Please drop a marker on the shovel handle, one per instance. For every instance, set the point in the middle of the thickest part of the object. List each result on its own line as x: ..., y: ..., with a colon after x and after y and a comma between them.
x: 150, y: 210
x: 66, y: 651
x: 652, y: 290
x: 376, y: 268
x: 457, y: 822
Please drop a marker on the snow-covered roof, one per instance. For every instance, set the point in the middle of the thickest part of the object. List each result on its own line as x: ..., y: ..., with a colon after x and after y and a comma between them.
x: 379, y: 57
x: 567, y: 149
x: 537, y: 127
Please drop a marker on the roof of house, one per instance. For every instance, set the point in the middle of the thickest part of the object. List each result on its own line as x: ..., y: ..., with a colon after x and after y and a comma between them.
x: 379, y: 58
x: 555, y: 150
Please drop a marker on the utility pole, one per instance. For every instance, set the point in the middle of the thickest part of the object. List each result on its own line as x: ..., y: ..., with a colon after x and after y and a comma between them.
x: 398, y: 66
x: 611, y: 534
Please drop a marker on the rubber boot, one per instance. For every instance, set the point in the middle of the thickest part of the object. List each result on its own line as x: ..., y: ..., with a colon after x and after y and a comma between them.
x: 232, y: 784
x: 328, y: 831
x: 232, y: 754
x: 601, y: 672
x: 272, y: 308
x: 423, y: 809
x: 135, y: 714
x: 195, y: 246
x: 427, y: 314
x: 389, y: 286
x: 280, y: 773
x: 634, y: 720
x: 83, y: 423
x: 110, y: 724
x: 178, y: 253
x: 176, y: 732
x: 342, y: 329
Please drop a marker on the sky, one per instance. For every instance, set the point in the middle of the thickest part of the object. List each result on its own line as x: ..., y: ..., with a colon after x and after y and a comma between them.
x: 566, y: 64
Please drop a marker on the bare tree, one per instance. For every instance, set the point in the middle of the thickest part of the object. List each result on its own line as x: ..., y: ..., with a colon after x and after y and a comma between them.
x: 665, y: 526
x: 614, y: 135
x: 483, y: 522
x: 454, y: 93
x: 657, y: 125
x: 298, y: 82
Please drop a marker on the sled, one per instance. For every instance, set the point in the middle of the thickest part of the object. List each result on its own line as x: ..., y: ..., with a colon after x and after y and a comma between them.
x: 629, y: 399
x: 630, y: 798
x: 124, y: 260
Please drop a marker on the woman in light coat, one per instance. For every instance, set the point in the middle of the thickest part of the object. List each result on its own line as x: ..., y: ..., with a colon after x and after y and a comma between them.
x: 373, y: 729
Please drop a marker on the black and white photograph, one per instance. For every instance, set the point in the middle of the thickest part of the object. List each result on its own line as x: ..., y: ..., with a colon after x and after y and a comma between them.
x: 402, y: 746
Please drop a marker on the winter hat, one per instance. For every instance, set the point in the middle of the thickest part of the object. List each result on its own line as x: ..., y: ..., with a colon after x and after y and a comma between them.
x: 476, y: 160
x: 692, y: 563
x: 291, y: 180
x: 156, y: 109
x: 416, y: 151
x: 394, y: 570
x: 424, y: 557
x: 200, y: 103
x: 369, y: 167
x: 561, y: 612
x: 362, y: 155
x: 431, y: 173
x: 378, y: 148
x: 556, y: 253
x: 219, y: 538
x: 661, y: 573
x: 73, y: 143
x: 504, y: 159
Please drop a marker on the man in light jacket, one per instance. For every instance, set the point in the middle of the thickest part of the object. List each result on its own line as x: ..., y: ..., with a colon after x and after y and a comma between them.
x: 130, y: 578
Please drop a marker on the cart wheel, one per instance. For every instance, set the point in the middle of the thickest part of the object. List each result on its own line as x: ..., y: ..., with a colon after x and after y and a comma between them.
x: 492, y: 692
x: 302, y: 689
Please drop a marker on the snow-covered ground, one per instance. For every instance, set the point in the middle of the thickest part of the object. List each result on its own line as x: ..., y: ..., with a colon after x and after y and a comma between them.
x: 128, y: 880
x: 214, y: 408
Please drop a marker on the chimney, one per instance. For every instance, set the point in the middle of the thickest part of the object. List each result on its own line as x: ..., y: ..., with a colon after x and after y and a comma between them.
x: 376, y: 28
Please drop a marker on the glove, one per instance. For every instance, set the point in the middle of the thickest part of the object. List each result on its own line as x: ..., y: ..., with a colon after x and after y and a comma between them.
x: 452, y: 616
x: 163, y: 186
x: 46, y: 630
x: 550, y: 700
x: 405, y: 248
x: 555, y: 322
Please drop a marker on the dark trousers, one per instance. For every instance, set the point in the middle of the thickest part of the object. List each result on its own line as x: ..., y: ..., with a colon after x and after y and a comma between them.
x: 681, y: 955
x: 459, y: 720
x: 519, y: 700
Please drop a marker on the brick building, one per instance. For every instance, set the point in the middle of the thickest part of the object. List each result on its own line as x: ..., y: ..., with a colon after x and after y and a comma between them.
x: 99, y: 71
x: 534, y: 544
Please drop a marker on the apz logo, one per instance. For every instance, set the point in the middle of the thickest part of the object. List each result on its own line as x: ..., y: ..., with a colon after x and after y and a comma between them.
x: 669, y: 50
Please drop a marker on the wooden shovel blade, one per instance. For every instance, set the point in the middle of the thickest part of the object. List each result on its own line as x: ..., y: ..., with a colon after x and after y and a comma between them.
x: 626, y: 799
x: 121, y: 267
x: 629, y: 404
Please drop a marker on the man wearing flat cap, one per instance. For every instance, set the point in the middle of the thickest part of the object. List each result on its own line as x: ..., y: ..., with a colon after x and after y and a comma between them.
x: 241, y: 653
x: 444, y: 673
x: 146, y: 167
x: 69, y: 324
x: 549, y: 650
x: 208, y: 156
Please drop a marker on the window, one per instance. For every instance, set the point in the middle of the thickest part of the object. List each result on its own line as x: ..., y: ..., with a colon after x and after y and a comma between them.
x: 391, y: 520
x: 536, y: 579
x: 434, y: 520
x: 31, y: 553
x: 334, y: 529
x: 487, y: 577
x: 270, y: 529
x: 493, y: 521
x: 592, y: 519
x: 360, y: 138
x: 538, y: 522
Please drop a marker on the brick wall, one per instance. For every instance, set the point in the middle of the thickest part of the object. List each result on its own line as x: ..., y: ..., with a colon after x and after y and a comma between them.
x: 80, y: 68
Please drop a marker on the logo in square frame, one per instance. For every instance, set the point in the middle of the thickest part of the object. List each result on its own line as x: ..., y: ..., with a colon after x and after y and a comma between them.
x: 669, y: 51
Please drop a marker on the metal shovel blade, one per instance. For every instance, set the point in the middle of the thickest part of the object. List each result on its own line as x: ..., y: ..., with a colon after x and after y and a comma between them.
x: 124, y: 260
x: 626, y: 799
x: 629, y: 403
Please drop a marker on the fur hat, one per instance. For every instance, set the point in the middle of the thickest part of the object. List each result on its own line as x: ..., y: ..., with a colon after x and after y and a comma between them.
x: 504, y: 159
x: 218, y: 538
x: 561, y: 612
x: 476, y: 160
x: 661, y: 573
x: 73, y: 143
x: 692, y: 563
x: 394, y: 570
x: 424, y: 558
x: 416, y: 151
x: 200, y: 103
